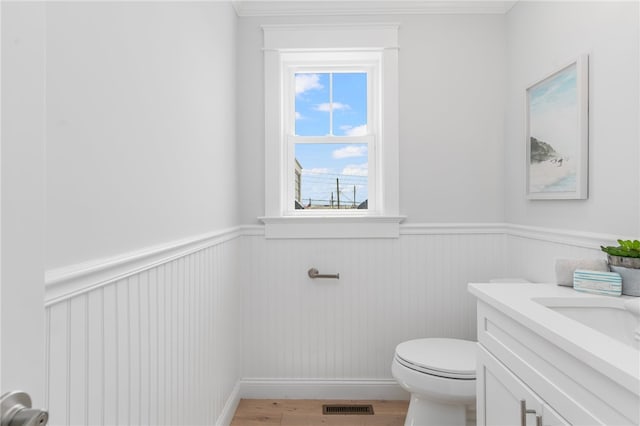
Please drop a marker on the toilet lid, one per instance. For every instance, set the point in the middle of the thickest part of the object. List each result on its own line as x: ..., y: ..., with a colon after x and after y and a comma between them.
x: 453, y: 358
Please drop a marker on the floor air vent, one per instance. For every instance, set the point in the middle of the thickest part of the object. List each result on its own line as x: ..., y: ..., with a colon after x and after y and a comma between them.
x: 345, y: 409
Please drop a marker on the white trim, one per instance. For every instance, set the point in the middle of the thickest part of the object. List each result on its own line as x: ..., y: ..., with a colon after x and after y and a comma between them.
x: 66, y: 282
x: 69, y: 281
x: 360, y: 8
x: 349, y: 36
x: 452, y: 228
x: 591, y: 240
x: 283, y: 44
x: 347, y: 226
x: 229, y: 409
x: 582, y: 239
x: 252, y: 230
x: 387, y: 389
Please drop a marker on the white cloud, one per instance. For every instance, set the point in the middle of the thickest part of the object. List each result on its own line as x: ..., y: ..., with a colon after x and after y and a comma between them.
x: 337, y: 106
x: 356, y: 170
x: 305, y: 82
x: 298, y: 116
x: 350, y: 151
x: 355, y: 131
x: 316, y: 171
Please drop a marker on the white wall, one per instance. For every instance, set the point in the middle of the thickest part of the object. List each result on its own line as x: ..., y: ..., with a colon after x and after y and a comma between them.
x: 451, y: 96
x: 22, y: 153
x: 542, y: 36
x: 141, y: 125
x: 146, y: 141
x: 462, y: 81
x: 141, y: 185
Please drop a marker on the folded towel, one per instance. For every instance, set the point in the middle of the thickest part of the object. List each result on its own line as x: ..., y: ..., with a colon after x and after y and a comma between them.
x: 598, y: 282
x: 566, y: 267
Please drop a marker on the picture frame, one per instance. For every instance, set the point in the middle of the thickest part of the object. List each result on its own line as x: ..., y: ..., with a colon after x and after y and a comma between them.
x: 557, y: 133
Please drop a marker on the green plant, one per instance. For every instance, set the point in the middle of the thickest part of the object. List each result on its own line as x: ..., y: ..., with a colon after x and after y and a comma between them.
x: 627, y: 248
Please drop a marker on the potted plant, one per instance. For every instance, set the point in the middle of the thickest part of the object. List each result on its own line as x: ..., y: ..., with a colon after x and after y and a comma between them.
x: 625, y: 260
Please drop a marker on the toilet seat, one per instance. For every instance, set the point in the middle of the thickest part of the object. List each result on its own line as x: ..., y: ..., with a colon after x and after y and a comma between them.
x: 448, y: 358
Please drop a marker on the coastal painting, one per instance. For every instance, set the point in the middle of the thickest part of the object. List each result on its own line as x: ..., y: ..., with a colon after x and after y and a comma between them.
x: 557, y: 134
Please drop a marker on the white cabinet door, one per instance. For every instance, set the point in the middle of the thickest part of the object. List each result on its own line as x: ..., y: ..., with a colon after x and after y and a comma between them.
x: 504, y: 400
x: 23, y: 39
x: 500, y: 395
x: 551, y: 418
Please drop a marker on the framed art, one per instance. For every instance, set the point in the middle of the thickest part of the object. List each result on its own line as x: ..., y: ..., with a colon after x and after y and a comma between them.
x: 557, y: 133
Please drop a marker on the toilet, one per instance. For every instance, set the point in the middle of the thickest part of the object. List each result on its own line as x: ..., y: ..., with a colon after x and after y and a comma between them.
x: 440, y: 374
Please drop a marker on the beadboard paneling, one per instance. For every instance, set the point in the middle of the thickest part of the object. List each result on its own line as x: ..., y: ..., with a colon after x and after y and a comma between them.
x: 389, y: 290
x: 532, y: 255
x: 160, y: 346
x: 173, y: 338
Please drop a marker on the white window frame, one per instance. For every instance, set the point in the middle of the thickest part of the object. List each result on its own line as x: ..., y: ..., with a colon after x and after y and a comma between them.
x: 295, y: 48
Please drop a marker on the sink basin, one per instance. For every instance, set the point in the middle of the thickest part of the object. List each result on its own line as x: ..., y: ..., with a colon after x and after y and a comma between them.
x: 616, y: 318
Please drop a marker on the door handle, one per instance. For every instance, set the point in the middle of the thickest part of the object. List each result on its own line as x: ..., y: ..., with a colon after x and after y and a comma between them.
x: 523, y: 414
x: 15, y: 410
x: 313, y: 273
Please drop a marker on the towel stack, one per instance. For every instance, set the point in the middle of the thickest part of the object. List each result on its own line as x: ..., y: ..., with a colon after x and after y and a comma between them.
x: 566, y: 267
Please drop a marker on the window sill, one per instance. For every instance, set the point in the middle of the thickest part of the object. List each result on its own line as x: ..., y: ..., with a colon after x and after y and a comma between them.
x: 285, y: 227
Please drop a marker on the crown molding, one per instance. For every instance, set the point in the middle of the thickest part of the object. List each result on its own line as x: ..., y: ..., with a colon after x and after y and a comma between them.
x: 248, y: 8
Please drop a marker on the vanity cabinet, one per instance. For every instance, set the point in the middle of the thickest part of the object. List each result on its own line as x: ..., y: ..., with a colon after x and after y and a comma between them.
x: 516, y: 364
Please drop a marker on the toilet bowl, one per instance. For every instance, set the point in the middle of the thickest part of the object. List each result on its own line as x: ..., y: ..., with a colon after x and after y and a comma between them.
x: 440, y: 374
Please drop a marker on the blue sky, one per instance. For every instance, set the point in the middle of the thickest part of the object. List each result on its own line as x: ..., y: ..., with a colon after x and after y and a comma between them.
x: 554, y: 111
x: 323, y: 163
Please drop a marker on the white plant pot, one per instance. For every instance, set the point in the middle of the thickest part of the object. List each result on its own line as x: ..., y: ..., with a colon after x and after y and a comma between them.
x: 630, y: 279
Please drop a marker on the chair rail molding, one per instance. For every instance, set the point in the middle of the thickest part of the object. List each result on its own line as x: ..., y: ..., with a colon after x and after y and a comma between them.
x: 69, y: 281
x: 584, y: 239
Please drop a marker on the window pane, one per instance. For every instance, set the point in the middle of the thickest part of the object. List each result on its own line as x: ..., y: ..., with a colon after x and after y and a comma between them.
x: 312, y: 104
x: 349, y: 104
x: 331, y: 176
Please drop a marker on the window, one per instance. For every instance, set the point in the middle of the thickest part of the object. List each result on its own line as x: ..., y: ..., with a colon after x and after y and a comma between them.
x: 331, y: 135
x: 331, y: 131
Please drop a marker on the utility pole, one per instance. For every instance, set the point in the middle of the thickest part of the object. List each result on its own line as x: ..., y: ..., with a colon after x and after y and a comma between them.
x: 354, y: 196
x: 332, y: 200
x: 338, y: 191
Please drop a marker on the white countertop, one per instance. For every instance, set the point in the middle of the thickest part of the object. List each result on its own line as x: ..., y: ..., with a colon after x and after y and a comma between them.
x: 605, y: 354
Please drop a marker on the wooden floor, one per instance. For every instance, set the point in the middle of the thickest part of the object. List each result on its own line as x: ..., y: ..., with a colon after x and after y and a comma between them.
x: 308, y: 412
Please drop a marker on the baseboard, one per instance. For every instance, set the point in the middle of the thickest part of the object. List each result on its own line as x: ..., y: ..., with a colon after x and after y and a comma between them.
x: 386, y: 389
x: 229, y: 409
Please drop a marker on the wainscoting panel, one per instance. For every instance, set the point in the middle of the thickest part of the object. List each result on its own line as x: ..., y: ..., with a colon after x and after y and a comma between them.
x: 389, y: 290
x: 159, y: 346
x: 177, y: 334
x: 532, y: 252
